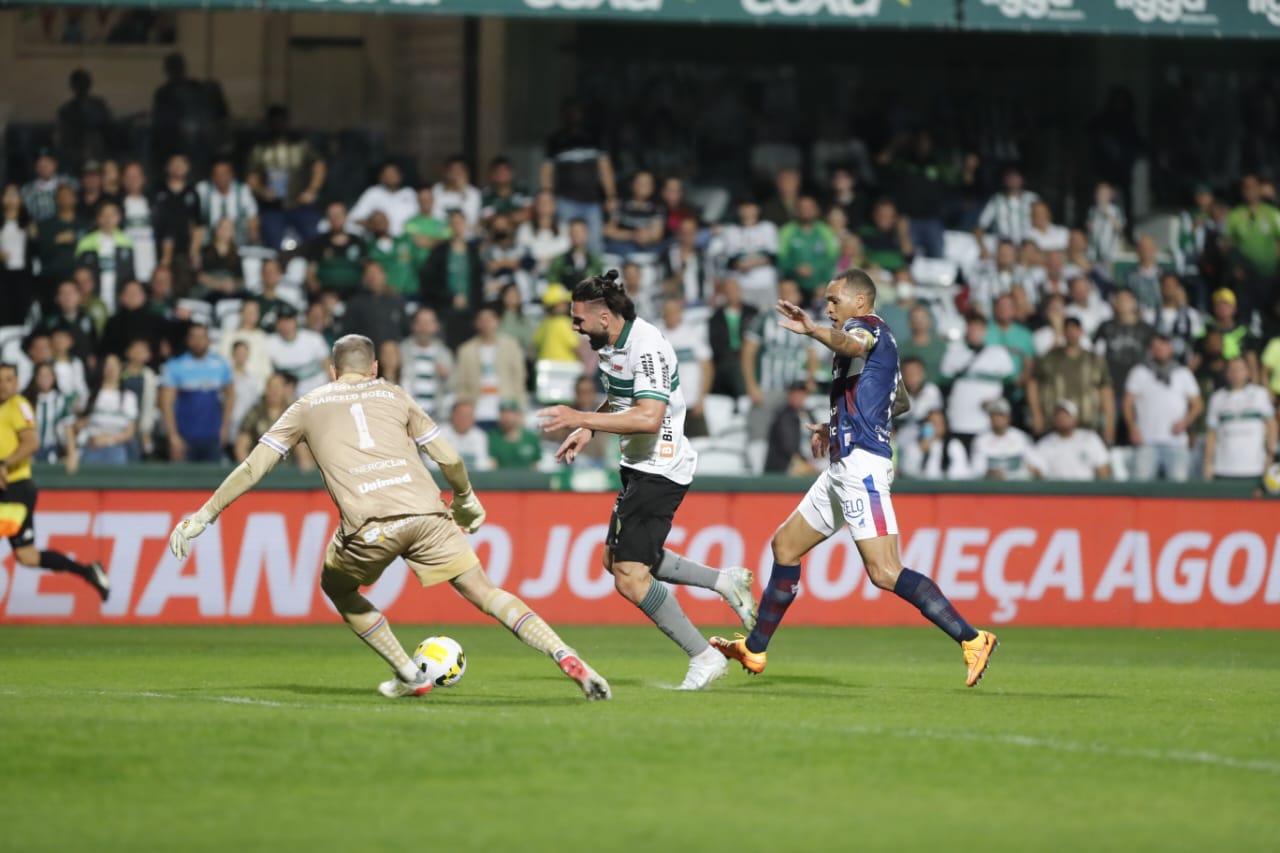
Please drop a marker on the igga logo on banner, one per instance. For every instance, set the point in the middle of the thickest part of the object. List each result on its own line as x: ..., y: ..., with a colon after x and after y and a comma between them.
x: 1194, y: 12
x: 1269, y: 9
x: 795, y: 8
x: 587, y: 5
x: 1050, y: 10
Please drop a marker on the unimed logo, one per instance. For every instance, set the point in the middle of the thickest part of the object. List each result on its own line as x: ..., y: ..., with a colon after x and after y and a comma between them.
x: 795, y: 8
x: 1169, y: 11
x: 1269, y: 9
x: 1052, y: 10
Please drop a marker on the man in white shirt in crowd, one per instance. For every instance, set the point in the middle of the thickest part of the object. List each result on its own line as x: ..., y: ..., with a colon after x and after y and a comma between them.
x: 1087, y: 305
x: 693, y: 355
x: 1241, y: 427
x: 978, y: 372
x: 1161, y: 401
x: 391, y: 196
x: 301, y: 353
x: 1068, y: 453
x: 1046, y: 235
x: 1007, y: 214
x: 1005, y: 453
x: 455, y: 192
x: 471, y: 442
x: 426, y: 364
x: 1183, y: 324
x: 750, y: 250
x: 918, y: 429
x: 223, y: 197
x: 992, y: 278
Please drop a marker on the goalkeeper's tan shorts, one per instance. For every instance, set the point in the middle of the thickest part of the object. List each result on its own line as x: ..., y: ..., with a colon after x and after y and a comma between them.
x: 433, y: 546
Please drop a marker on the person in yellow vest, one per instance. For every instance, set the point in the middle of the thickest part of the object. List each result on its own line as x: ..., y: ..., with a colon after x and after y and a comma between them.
x: 555, y: 339
x: 18, y: 441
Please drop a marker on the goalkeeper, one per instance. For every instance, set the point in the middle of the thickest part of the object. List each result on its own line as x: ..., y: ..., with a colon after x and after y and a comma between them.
x: 364, y: 434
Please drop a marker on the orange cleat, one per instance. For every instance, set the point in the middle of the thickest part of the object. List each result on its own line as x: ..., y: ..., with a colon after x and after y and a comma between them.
x: 736, y: 649
x: 977, y: 654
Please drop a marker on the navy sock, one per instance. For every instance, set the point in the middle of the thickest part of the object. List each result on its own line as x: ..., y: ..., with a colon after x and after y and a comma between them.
x: 56, y: 562
x: 925, y: 595
x: 784, y: 586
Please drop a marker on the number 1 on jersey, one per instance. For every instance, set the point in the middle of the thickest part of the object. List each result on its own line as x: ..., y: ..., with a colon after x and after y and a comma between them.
x: 362, y: 426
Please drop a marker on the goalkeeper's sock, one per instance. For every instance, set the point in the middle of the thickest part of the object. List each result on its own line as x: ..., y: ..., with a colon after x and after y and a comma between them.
x: 783, y: 587
x: 372, y: 627
x: 528, y: 626
x: 936, y: 607
x: 661, y: 606
x: 674, y: 568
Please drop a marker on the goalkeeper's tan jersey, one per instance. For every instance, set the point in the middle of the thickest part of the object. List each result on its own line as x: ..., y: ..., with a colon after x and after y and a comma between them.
x: 364, y: 436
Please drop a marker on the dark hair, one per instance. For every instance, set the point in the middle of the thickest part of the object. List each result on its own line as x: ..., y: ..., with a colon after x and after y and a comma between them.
x: 607, y: 289
x: 912, y: 359
x: 858, y: 281
x: 4, y: 365
x: 500, y: 160
x: 31, y: 392
x: 277, y: 111
x: 81, y: 79
x: 456, y: 158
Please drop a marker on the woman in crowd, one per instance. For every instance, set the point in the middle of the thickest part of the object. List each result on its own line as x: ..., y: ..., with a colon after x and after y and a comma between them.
x: 53, y: 413
x: 109, y: 423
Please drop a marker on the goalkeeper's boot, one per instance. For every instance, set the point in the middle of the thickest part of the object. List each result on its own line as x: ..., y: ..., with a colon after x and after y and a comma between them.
x: 99, y: 579
x: 977, y: 654
x: 398, y: 688
x: 739, y: 595
x: 703, y: 669
x: 592, y: 683
x: 736, y: 649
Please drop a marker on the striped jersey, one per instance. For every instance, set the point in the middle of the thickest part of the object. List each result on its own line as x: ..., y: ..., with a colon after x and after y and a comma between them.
x: 783, y: 357
x: 424, y: 372
x: 236, y: 204
x: 642, y: 366
x: 1009, y: 217
x: 1240, y: 419
x: 1105, y: 228
x: 862, y: 392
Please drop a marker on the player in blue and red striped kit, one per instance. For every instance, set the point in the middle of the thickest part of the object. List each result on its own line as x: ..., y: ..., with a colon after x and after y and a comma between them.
x: 866, y: 394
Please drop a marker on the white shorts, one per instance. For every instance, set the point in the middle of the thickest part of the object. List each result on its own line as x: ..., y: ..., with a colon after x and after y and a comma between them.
x: 853, y: 491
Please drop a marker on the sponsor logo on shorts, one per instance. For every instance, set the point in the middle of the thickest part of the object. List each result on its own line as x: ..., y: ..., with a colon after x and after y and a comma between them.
x: 374, y: 485
x: 380, y: 465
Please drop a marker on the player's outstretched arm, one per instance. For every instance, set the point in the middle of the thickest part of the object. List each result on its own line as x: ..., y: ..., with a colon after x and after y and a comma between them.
x: 467, y: 511
x: 796, y: 319
x: 245, y: 476
x: 644, y: 417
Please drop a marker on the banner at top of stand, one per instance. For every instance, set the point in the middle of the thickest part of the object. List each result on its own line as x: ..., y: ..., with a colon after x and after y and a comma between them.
x: 896, y: 13
x: 1211, y: 18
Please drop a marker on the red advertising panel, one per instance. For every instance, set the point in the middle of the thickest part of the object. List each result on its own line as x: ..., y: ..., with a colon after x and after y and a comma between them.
x: 1028, y: 560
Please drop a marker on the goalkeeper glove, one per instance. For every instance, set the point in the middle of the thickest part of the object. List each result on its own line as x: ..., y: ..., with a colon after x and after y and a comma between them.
x: 189, y: 528
x: 467, y: 511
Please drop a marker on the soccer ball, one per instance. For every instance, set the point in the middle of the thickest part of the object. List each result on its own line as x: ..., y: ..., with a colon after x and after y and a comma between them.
x: 1271, y: 479
x: 442, y: 659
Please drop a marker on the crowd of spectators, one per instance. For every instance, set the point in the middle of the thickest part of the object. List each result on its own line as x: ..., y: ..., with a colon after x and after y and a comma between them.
x: 165, y: 312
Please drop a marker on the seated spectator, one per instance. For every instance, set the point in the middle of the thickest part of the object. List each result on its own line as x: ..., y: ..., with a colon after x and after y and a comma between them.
x: 223, y: 197
x: 277, y: 395
x: 69, y: 314
x: 837, y: 222
x: 1068, y: 453
x: 1070, y: 372
x: 179, y: 224
x: 513, y: 446
x: 505, y: 261
x: 852, y: 254
x: 784, y: 206
x: 1237, y: 341
x: 39, y: 194
x: 269, y: 301
x: 426, y: 364
x: 1175, y: 318
x: 1056, y: 279
x: 976, y: 372
x: 302, y: 353
x: 675, y: 210
x: 1240, y: 435
x: 773, y: 359
x: 916, y: 430
x: 1005, y: 331
x: 109, y: 422
x: 750, y: 248
x: 376, y: 311
x: 887, y: 238
x: 138, y: 377
x: 221, y: 273
x: 684, y: 266
x: 513, y: 322
x: 923, y: 343
x: 462, y: 433
x: 490, y: 368
x: 1005, y: 452
x: 335, y: 259
x: 543, y: 237
x: 68, y: 366
x: 993, y: 278
x: 139, y: 224
x: 286, y: 175
x: 424, y: 230
x: 453, y: 281
x: 57, y: 239
x: 1081, y: 262
x: 726, y: 330
x: 646, y: 298
x: 1007, y: 214
x: 1145, y: 280
x: 248, y: 332
x: 693, y: 358
x: 92, y: 306
x: 807, y: 249
x: 91, y: 194
x: 112, y: 188
x: 1086, y: 305
x: 248, y: 386
x: 1194, y: 250
x: 638, y: 224
x: 394, y: 254
x: 1105, y: 224
x: 53, y: 413
x: 844, y: 195
x: 455, y: 192
x: 1051, y: 334
x: 579, y: 262
x: 389, y: 367
x: 1047, y: 236
x: 1161, y: 402
x: 390, y: 197
x: 196, y: 399
x: 133, y: 320
x: 108, y: 253
x: 36, y: 350
x: 789, y: 449
x: 503, y: 196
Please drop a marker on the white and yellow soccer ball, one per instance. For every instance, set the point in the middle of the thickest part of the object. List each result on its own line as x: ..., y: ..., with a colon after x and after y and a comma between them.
x: 1271, y: 479
x: 442, y: 659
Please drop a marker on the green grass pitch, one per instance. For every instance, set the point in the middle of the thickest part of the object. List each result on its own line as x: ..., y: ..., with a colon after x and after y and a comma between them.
x: 272, y: 738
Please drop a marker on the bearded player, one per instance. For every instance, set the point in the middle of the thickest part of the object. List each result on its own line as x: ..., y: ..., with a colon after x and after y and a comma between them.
x: 854, y: 490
